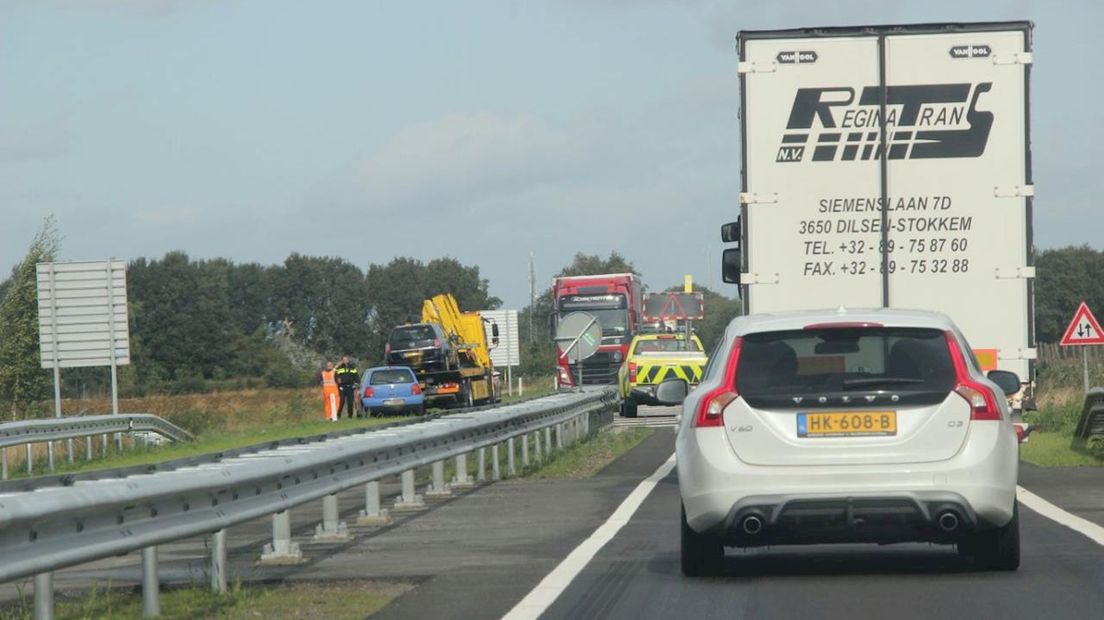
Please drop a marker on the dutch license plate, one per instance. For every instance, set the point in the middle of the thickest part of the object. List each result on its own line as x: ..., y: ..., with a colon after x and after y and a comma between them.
x: 847, y: 424
x: 393, y: 402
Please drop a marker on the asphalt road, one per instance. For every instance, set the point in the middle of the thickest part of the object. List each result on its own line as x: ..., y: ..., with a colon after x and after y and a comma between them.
x: 636, y: 575
x: 479, y: 553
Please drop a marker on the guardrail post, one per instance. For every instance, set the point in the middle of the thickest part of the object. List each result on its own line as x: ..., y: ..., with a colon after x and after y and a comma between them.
x: 281, y: 550
x: 151, y: 587
x: 559, y: 436
x: 372, y: 513
x: 103, y: 444
x: 332, y: 528
x: 548, y: 440
x: 3, y: 463
x: 218, y: 562
x: 461, y: 479
x: 481, y: 468
x: 537, y: 445
x: 50, y: 455
x: 44, y: 596
x: 510, y: 469
x: 409, y: 500
x: 69, y: 453
x: 496, y: 474
x: 88, y: 448
x: 30, y: 460
x: 437, y: 487
x: 524, y: 450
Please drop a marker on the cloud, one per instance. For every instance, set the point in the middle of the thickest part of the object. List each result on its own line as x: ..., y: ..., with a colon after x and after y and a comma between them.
x: 139, y: 7
x: 34, y: 142
x: 461, y: 157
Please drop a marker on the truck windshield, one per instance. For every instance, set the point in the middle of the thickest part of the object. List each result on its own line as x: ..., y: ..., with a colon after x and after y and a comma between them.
x: 610, y: 310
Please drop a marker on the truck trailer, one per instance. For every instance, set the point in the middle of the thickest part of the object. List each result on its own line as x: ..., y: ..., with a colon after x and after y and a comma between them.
x: 890, y: 166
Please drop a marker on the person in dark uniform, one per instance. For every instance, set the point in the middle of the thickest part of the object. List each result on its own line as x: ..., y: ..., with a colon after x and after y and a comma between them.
x: 348, y: 380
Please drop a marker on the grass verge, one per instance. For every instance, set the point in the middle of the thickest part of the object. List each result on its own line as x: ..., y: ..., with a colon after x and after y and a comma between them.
x: 1060, y: 450
x: 587, y: 458
x: 336, y: 600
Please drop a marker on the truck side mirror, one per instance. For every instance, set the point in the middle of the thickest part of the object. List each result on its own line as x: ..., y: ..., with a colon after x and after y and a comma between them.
x: 730, y: 232
x: 731, y: 266
x: 494, y: 334
x: 1007, y: 381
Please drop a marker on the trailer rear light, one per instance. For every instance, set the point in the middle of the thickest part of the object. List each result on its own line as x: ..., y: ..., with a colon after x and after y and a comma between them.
x: 711, y: 408
x: 983, y: 403
x: 415, y: 389
x: 632, y: 372
x: 369, y: 392
x: 564, y: 378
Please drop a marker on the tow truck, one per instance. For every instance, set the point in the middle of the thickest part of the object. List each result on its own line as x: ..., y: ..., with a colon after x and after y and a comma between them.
x: 448, y: 352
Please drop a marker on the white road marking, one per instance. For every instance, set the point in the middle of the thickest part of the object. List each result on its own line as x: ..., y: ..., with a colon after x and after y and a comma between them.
x: 553, y: 585
x: 1083, y: 526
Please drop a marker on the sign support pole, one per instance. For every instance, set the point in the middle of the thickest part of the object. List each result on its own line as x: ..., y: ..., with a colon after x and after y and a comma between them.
x: 111, y: 343
x: 1085, y: 366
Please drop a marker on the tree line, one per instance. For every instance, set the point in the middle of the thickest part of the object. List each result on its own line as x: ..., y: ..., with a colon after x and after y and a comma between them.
x: 199, y: 324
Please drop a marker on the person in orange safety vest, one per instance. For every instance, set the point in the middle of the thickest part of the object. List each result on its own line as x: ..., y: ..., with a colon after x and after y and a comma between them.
x: 330, y: 395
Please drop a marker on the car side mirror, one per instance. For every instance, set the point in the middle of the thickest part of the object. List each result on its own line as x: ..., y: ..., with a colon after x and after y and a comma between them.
x: 672, y: 392
x: 1008, y: 382
x: 731, y: 266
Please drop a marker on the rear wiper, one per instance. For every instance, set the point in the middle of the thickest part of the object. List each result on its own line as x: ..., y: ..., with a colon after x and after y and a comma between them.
x: 875, y: 381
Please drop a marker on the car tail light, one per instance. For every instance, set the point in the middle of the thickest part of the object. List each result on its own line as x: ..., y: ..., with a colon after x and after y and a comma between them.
x: 712, y: 405
x: 369, y: 392
x: 632, y: 372
x: 437, y: 343
x: 983, y: 403
x: 415, y: 389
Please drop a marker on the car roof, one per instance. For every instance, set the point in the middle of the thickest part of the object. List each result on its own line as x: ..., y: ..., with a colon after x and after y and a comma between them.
x: 664, y: 336
x: 889, y: 317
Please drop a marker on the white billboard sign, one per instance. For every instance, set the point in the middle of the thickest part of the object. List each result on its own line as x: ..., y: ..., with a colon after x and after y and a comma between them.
x: 508, y: 351
x: 82, y: 314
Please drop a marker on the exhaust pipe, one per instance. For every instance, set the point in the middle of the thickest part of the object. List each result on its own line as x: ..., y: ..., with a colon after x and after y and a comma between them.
x: 948, y: 521
x: 752, y: 525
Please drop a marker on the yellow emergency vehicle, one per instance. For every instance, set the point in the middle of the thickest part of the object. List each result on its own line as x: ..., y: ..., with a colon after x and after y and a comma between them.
x: 653, y: 358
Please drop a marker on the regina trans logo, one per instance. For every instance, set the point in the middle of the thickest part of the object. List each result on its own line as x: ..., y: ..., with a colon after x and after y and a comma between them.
x: 923, y: 121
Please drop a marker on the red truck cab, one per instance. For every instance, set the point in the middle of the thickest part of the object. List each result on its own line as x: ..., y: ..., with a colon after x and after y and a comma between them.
x: 615, y: 300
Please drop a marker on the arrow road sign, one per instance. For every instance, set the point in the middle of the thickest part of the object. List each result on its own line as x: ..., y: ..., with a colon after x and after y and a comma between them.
x: 1083, y: 329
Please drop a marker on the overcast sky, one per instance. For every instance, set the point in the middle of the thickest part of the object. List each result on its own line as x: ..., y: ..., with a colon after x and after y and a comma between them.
x: 250, y: 129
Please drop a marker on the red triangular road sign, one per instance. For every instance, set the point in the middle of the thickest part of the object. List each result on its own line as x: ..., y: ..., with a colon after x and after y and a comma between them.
x: 1083, y: 329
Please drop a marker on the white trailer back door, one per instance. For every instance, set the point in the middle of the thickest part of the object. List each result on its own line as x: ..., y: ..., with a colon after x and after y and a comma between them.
x: 920, y: 200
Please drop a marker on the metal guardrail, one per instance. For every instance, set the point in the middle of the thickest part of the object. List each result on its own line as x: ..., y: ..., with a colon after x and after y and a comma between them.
x: 56, y: 527
x: 49, y: 430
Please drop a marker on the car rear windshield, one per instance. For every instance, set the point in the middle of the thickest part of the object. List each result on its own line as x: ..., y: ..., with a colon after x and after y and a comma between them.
x: 819, y: 361
x: 665, y: 345
x: 412, y: 337
x: 399, y: 375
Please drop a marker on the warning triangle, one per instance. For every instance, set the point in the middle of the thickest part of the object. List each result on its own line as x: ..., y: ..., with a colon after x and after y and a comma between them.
x: 1083, y: 329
